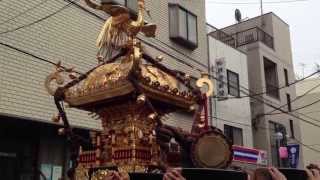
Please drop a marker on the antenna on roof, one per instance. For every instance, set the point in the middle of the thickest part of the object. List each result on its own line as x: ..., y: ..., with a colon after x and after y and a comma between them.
x: 237, y: 15
x: 261, y: 7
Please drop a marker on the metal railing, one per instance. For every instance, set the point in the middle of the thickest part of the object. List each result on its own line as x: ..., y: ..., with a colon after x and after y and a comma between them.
x: 245, y: 37
x: 224, y: 37
x: 253, y: 35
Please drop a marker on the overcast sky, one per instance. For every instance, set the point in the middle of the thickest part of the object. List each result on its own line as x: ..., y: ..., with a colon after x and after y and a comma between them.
x: 303, y: 18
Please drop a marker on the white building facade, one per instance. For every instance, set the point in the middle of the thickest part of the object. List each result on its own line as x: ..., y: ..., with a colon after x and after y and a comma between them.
x: 231, y: 112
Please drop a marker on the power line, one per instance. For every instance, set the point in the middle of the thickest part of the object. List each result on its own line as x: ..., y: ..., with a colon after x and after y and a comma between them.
x: 297, y: 98
x: 272, y: 106
x: 263, y: 101
x: 308, y: 105
x: 254, y: 3
x: 311, y: 112
x: 265, y: 128
x: 34, y: 56
x: 144, y: 41
x: 230, y: 121
x: 184, y: 63
x: 302, y: 114
x: 147, y: 43
x: 39, y: 20
x: 303, y: 107
x: 70, y: 2
x: 50, y: 62
x: 307, y: 92
x: 24, y: 12
x: 279, y: 88
x: 307, y: 146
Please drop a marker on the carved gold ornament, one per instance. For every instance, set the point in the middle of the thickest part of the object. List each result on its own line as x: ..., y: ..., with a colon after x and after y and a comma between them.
x: 204, y: 80
x: 82, y: 173
x: 119, y: 29
x: 128, y: 139
x: 101, y: 175
x: 107, y: 174
x: 60, y: 76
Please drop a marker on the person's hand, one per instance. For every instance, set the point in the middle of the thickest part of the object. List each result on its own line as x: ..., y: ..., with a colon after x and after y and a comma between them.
x: 173, y: 174
x: 276, y: 174
x: 313, y: 174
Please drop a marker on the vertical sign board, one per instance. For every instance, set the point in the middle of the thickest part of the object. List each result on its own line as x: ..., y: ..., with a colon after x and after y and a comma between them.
x: 294, y: 153
x: 221, y: 75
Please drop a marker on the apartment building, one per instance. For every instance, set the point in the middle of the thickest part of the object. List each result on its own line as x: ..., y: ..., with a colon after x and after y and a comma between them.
x: 308, y: 93
x: 231, y: 113
x: 231, y: 107
x: 266, y: 41
x: 33, y: 32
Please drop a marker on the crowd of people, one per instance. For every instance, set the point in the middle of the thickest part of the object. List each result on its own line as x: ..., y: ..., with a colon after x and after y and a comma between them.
x: 176, y: 174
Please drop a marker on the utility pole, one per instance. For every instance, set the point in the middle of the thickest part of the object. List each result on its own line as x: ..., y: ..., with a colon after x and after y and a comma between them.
x: 261, y: 7
x: 303, y: 66
x: 262, y: 18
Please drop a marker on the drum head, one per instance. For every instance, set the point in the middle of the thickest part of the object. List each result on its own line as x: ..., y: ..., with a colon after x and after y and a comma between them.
x: 212, y: 150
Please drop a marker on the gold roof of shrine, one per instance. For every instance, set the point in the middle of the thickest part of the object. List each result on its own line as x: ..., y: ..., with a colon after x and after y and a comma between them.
x: 111, y: 81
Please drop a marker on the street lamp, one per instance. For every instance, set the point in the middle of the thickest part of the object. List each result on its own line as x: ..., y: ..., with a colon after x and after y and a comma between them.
x: 278, y: 136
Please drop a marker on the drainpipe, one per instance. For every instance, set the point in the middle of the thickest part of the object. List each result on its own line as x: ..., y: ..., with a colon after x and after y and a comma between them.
x: 210, y: 99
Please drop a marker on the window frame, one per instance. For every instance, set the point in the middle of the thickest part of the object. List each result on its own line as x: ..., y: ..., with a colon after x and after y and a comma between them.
x: 175, y: 36
x: 228, y: 83
x: 274, y: 92
x: 231, y: 131
x: 286, y: 76
x: 289, y: 105
x: 292, y: 129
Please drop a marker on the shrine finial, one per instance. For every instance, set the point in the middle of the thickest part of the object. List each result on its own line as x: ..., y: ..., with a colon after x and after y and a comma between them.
x: 119, y: 29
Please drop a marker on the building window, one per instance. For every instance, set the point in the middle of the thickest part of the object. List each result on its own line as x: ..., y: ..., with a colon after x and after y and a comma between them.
x: 234, y: 134
x: 292, y: 129
x: 271, y: 78
x: 286, y: 77
x: 289, y: 103
x: 183, y: 26
x: 233, y: 83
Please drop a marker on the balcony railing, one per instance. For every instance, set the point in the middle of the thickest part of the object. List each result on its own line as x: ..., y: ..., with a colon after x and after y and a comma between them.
x: 244, y: 37
x: 253, y: 35
x: 224, y: 37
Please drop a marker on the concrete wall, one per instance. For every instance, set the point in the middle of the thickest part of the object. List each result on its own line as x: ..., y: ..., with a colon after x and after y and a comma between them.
x: 264, y: 22
x: 274, y: 26
x: 281, y: 55
x: 309, y: 132
x: 70, y: 36
x: 67, y: 36
x: 282, y: 40
x: 233, y: 112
